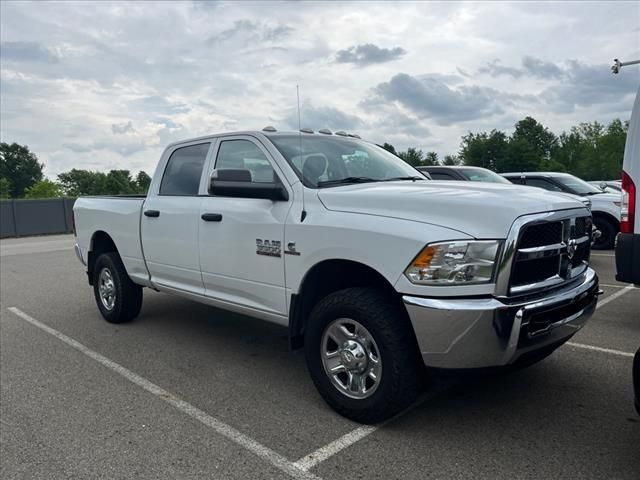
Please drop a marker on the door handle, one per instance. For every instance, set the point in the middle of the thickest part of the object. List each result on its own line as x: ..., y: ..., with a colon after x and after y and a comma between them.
x: 152, y: 213
x: 211, y: 217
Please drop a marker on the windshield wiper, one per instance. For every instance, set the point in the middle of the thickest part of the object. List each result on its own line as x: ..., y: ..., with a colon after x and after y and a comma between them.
x: 412, y: 178
x: 346, y: 181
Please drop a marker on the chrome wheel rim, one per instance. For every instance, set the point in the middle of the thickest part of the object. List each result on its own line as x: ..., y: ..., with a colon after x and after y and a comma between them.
x: 351, y: 358
x: 107, y: 289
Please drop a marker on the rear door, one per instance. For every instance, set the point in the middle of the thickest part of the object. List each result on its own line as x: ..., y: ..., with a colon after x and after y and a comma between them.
x: 241, y: 245
x: 171, y: 219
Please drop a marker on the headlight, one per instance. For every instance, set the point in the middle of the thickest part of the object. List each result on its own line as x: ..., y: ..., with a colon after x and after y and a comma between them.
x: 454, y: 263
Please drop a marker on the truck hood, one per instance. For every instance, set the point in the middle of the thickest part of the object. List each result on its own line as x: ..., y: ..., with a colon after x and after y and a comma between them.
x: 482, y: 210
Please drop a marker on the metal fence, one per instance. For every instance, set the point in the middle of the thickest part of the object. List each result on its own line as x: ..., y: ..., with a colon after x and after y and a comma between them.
x: 36, y: 217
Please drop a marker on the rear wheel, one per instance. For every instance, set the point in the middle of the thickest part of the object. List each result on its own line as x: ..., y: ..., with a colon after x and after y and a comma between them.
x: 608, y: 232
x: 362, y: 354
x: 118, y: 298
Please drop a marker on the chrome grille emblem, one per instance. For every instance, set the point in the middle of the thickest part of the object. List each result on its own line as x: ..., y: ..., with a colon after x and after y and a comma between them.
x: 572, y: 246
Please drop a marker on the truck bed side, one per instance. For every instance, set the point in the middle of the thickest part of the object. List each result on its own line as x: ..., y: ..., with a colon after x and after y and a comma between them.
x: 119, y: 218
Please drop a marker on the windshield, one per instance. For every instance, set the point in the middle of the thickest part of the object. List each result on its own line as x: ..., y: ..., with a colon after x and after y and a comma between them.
x: 482, y: 175
x: 323, y: 161
x: 577, y: 185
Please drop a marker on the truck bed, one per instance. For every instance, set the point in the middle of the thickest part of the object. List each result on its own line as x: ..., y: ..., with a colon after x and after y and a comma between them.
x: 119, y: 217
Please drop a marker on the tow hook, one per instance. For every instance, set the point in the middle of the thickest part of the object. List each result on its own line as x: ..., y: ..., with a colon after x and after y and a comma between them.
x: 595, y: 235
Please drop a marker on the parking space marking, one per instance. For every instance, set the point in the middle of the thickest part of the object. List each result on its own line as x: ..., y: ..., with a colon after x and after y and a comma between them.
x: 237, y: 437
x: 613, y: 296
x: 611, y: 285
x: 600, y: 349
x: 603, y: 255
x: 329, y: 450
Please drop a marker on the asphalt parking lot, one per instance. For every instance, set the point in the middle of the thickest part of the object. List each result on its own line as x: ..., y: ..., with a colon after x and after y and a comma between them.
x: 187, y: 391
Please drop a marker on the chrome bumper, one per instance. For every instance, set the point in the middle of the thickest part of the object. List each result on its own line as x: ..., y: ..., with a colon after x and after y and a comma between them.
x: 487, y: 332
x: 76, y: 249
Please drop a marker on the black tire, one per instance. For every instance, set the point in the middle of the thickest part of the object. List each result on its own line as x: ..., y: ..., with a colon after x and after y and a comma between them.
x: 128, y: 295
x: 608, y: 232
x: 401, y: 365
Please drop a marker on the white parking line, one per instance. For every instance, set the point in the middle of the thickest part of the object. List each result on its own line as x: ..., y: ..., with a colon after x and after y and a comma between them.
x: 309, y: 461
x: 329, y: 450
x: 611, y: 285
x: 218, y: 426
x: 613, y: 296
x: 600, y: 349
x: 603, y: 255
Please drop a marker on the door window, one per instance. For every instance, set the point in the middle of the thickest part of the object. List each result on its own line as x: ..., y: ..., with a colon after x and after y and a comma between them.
x: 542, y: 183
x: 184, y: 170
x: 441, y: 176
x: 245, y: 155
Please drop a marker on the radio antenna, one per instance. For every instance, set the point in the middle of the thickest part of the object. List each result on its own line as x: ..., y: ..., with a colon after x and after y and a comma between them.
x: 304, y: 211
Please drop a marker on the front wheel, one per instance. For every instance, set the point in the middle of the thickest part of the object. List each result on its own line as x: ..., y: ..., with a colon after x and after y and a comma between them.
x: 608, y: 232
x: 118, y: 298
x: 362, y: 354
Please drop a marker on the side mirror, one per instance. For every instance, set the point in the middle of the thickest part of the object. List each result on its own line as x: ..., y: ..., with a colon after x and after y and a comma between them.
x: 603, y: 186
x: 237, y: 183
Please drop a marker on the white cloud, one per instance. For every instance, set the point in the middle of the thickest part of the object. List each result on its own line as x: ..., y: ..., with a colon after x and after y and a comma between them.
x: 113, y: 93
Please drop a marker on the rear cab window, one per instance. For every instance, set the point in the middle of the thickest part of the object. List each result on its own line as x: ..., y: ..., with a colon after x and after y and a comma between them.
x: 184, y: 170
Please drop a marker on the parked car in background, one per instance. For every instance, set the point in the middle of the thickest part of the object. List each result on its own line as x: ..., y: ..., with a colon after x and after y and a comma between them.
x: 477, y: 174
x: 605, y: 207
x: 375, y: 270
x: 608, y: 186
x: 473, y: 174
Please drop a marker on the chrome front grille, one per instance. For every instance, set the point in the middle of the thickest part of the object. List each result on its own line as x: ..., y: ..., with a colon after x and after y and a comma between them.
x: 549, y: 253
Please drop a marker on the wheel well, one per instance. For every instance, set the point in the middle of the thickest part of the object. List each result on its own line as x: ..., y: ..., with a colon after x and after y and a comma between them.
x: 323, y: 279
x: 101, y: 243
x: 609, y: 217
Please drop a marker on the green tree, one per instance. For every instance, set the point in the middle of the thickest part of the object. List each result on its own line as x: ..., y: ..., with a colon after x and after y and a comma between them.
x: 77, y: 182
x: 389, y: 148
x: 539, y: 138
x: 451, y: 160
x: 488, y: 150
x: 20, y: 167
x: 413, y: 157
x: 142, y: 182
x: 43, y: 189
x: 119, y: 182
x: 431, y: 158
x: 5, y: 188
x: 521, y: 157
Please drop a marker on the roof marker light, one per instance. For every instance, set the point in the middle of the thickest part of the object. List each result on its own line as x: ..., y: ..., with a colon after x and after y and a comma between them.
x: 342, y: 133
x: 306, y: 130
x: 325, y: 131
x: 269, y: 128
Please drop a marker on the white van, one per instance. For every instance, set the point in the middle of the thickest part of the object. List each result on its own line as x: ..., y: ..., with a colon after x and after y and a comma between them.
x: 628, y: 240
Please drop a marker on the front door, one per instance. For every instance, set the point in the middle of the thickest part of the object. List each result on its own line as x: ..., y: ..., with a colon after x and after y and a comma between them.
x: 241, y: 243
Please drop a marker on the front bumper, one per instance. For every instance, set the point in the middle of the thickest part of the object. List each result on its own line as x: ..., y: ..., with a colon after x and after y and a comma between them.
x: 489, y: 332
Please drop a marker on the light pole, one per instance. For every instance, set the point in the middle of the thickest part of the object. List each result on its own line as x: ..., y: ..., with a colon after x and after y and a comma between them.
x: 617, y: 65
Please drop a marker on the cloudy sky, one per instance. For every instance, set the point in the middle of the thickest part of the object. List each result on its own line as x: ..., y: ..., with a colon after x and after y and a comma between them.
x: 101, y: 85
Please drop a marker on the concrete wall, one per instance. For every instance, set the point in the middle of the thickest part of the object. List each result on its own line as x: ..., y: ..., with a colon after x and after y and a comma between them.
x: 36, y: 217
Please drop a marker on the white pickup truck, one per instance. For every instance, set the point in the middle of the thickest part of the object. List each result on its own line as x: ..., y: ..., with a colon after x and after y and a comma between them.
x: 375, y: 270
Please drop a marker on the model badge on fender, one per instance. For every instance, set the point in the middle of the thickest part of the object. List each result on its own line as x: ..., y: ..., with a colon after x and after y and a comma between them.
x: 270, y: 248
